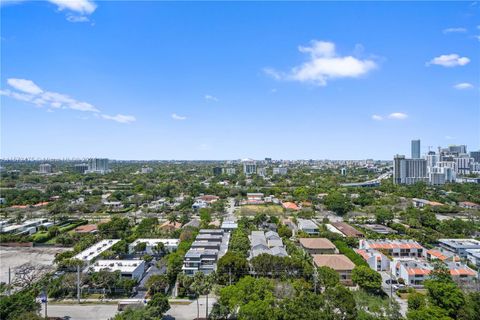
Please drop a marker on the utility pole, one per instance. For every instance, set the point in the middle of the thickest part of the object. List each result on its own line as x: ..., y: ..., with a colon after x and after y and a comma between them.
x: 230, y: 275
x: 9, y: 281
x: 315, y: 278
x: 78, y: 284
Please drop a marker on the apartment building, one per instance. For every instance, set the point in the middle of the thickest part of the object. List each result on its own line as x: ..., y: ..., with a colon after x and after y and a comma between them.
x: 394, y: 248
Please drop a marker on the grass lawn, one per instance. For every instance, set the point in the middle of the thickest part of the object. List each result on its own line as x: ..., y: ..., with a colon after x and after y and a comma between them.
x: 251, y: 210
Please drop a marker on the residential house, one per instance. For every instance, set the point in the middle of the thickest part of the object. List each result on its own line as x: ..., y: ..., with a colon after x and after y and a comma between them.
x: 375, y: 259
x: 348, y: 230
x: 338, y: 262
x: 308, y: 226
x: 132, y: 269
x: 317, y: 245
x: 459, y: 246
x: 394, y: 248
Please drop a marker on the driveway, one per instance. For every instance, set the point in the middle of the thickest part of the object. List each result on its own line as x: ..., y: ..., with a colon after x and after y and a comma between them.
x: 189, y: 311
x: 391, y: 293
x: 82, y: 311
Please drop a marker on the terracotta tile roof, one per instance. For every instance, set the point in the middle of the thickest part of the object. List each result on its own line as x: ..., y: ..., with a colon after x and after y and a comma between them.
x: 338, y: 262
x: 418, y: 271
x: 392, y: 244
x: 316, y: 243
x: 290, y: 205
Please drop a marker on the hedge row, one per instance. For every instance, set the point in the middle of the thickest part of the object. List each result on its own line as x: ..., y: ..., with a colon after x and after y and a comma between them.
x: 352, y: 255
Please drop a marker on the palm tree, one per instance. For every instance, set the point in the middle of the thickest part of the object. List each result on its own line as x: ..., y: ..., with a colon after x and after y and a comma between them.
x: 172, y: 218
x: 197, y: 287
x: 207, y: 287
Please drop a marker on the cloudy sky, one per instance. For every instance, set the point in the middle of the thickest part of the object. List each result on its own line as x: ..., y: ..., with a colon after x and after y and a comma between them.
x: 152, y: 80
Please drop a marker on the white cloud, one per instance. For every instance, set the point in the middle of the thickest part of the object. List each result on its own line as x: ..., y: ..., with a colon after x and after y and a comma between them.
x: 177, y: 117
x: 27, y: 91
x: 398, y: 116
x: 209, y: 97
x: 73, y: 18
x: 449, y: 60
x: 463, y: 86
x: 454, y: 30
x: 323, y: 65
x: 24, y: 85
x: 449, y: 137
x: 121, y: 118
x: 80, y: 6
x: 377, y: 117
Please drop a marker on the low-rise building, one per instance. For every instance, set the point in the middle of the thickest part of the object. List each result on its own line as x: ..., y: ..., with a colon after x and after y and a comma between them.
x: 375, y: 259
x: 461, y: 272
x: 27, y: 227
x: 413, y: 272
x: 348, y: 230
x: 90, y: 254
x: 133, y: 269
x: 459, y: 246
x: 290, y: 206
x: 200, y: 260
x: 420, y: 203
x: 228, y: 225
x: 255, y: 198
x: 338, y: 262
x: 394, y: 248
x: 308, y: 226
x: 151, y: 245
x: 441, y: 254
x: 469, y: 205
x: 378, y: 228
x: 473, y: 255
x: 205, y: 251
x: 269, y: 243
x: 317, y: 245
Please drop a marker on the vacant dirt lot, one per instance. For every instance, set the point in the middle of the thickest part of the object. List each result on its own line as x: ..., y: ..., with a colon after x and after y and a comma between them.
x: 11, y: 257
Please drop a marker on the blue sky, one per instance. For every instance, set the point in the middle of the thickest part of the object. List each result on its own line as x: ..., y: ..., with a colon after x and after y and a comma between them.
x: 164, y: 80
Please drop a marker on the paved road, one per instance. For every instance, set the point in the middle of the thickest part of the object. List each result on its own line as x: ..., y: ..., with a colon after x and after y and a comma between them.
x: 231, y: 210
x: 82, y: 311
x: 391, y: 293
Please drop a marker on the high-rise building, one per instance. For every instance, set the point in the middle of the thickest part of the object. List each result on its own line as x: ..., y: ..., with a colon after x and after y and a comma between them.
x: 432, y: 159
x: 98, y: 165
x: 397, y: 179
x: 80, y: 168
x: 249, y: 167
x: 457, y: 149
x: 409, y: 171
x: 146, y: 170
x: 343, y: 171
x: 462, y: 165
x: 45, y: 168
x: 415, y: 149
x: 475, y: 155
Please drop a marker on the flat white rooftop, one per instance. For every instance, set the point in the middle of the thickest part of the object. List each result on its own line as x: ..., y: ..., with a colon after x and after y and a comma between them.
x: 94, y: 251
x: 124, y: 266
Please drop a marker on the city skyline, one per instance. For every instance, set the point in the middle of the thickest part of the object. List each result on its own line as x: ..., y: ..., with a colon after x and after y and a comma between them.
x: 308, y: 81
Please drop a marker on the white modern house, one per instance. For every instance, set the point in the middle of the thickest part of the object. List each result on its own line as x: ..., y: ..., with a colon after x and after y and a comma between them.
x: 375, y: 259
x: 169, y: 245
x: 90, y: 254
x: 459, y: 246
x: 133, y: 269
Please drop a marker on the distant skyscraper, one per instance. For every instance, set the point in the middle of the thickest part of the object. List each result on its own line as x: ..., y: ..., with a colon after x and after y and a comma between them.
x: 249, y: 167
x: 343, y: 171
x: 457, y: 150
x: 98, y: 165
x: 80, y: 168
x: 415, y: 149
x: 475, y: 155
x: 45, y: 168
x: 409, y: 171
